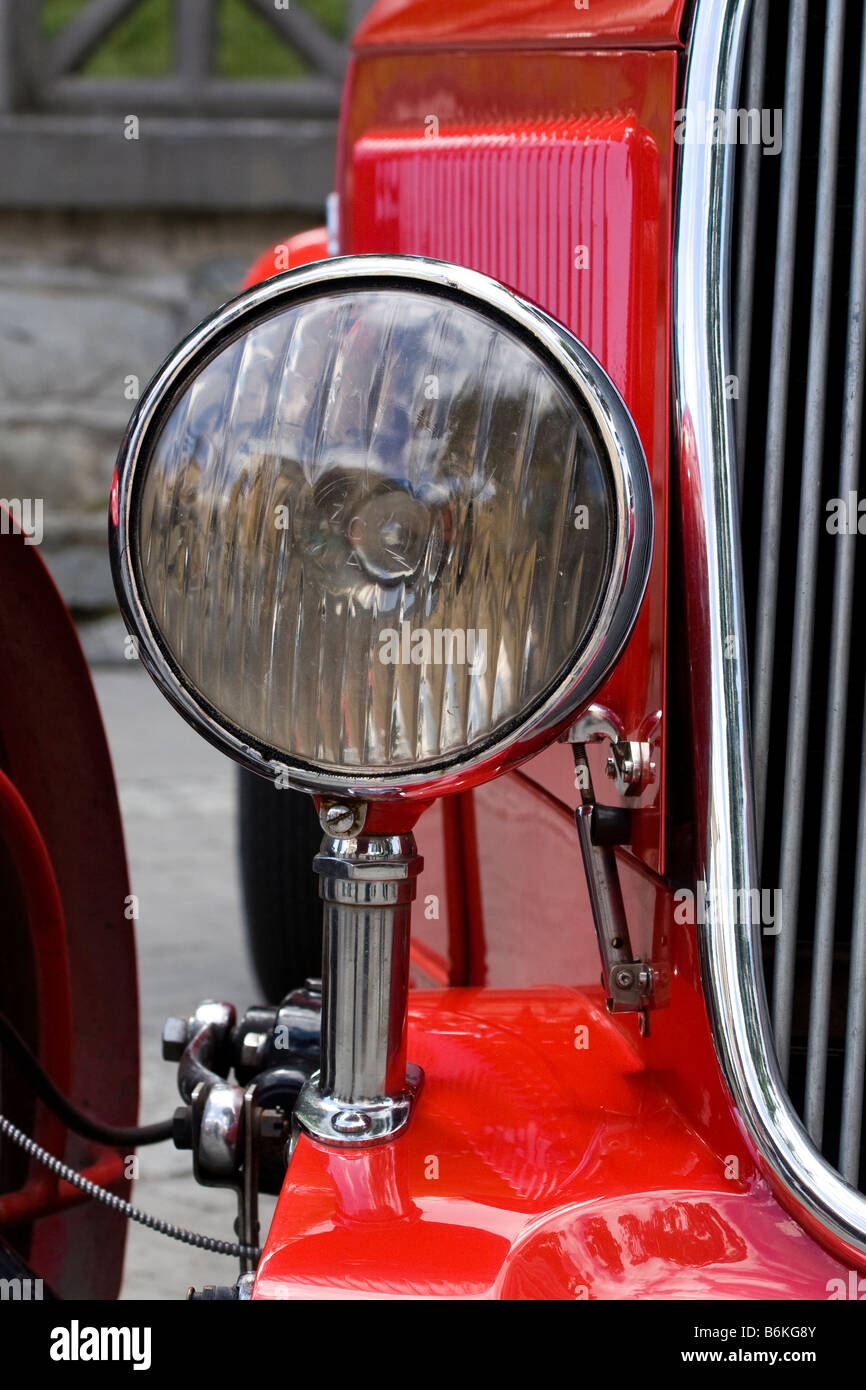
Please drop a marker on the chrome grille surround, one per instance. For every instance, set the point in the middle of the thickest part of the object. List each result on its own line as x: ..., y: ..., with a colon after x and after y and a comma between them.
x: 725, y: 816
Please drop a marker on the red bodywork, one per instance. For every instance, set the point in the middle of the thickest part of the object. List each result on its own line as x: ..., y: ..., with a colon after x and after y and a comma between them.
x: 414, y: 24
x: 554, y: 1152
x: 547, y: 1160
x: 69, y: 977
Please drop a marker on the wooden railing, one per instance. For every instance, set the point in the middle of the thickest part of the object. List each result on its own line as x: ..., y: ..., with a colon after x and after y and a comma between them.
x: 189, y: 139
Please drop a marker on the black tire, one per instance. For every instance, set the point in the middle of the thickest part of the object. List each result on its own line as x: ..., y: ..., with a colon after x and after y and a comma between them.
x: 279, y: 833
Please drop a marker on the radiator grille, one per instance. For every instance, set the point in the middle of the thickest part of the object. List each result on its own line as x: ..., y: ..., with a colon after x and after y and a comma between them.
x: 799, y: 277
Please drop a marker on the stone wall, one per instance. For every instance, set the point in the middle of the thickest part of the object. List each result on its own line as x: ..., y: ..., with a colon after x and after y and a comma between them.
x: 90, y: 304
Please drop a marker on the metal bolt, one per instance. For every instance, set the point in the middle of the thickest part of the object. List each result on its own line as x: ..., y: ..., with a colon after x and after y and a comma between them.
x: 339, y: 820
x: 271, y: 1124
x: 251, y: 1048
x: 629, y: 772
x: 174, y: 1039
x: 628, y: 762
x: 351, y: 1122
x: 623, y: 979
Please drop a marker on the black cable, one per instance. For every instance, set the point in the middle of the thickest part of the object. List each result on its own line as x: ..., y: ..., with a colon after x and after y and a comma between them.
x: 111, y: 1199
x: 114, y: 1136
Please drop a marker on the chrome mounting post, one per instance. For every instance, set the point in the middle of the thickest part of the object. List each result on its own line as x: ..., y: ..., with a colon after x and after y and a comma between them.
x: 364, y: 1091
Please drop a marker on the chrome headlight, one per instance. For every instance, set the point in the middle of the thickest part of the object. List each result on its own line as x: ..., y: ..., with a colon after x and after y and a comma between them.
x: 382, y: 524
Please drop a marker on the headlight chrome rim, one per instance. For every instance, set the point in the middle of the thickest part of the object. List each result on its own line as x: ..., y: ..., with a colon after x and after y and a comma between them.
x: 623, y: 456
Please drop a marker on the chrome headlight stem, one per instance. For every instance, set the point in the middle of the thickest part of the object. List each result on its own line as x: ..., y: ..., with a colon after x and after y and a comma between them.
x: 725, y: 817
x: 364, y: 1091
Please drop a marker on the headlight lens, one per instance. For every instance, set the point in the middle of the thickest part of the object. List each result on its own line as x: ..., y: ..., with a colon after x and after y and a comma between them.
x: 370, y: 528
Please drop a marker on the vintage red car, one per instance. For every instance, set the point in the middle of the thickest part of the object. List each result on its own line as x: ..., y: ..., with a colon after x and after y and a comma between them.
x: 455, y: 531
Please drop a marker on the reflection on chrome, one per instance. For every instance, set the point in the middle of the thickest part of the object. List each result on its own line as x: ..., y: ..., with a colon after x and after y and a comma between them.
x: 725, y: 819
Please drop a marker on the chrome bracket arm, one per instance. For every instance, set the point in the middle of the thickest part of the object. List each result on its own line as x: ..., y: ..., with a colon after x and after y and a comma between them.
x: 628, y: 982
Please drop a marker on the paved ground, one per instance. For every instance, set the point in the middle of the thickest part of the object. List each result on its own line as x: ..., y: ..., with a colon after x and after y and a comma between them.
x: 177, y: 798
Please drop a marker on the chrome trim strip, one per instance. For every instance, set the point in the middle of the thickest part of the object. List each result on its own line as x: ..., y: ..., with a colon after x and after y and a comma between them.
x: 747, y: 230
x: 852, y: 440
x: 784, y: 288
x: 726, y: 856
x: 631, y: 488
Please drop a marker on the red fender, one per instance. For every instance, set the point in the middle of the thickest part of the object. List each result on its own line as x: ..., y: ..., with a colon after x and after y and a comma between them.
x: 69, y: 977
x: 286, y: 255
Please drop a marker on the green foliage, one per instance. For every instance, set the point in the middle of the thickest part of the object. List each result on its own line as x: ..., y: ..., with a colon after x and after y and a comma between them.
x: 140, y: 46
x: 247, y: 46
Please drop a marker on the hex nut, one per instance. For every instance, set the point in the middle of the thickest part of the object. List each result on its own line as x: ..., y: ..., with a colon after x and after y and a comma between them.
x: 181, y: 1127
x: 353, y: 1122
x: 251, y: 1049
x: 174, y: 1039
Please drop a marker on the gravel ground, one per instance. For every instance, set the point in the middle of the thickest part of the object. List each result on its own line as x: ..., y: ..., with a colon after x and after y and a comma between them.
x: 177, y: 799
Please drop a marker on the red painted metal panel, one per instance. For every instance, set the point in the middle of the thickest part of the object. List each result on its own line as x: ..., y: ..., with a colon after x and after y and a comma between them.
x: 463, y: 170
x: 545, y: 1160
x: 438, y: 909
x: 589, y: 24
x: 533, y: 890
x: 523, y: 202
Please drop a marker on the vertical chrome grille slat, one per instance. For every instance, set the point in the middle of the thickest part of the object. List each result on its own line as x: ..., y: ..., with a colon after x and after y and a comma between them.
x: 854, y: 1076
x: 807, y: 556
x: 748, y: 227
x: 855, y: 1029
x: 777, y: 417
